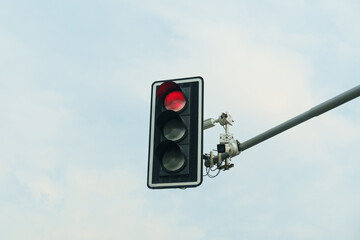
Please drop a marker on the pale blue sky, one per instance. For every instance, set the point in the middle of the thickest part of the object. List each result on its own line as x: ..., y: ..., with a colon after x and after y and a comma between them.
x: 75, y: 80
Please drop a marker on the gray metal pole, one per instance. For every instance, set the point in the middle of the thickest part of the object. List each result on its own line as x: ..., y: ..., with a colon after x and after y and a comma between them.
x: 313, y: 112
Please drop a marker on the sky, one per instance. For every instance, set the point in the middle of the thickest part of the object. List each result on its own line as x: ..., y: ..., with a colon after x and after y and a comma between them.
x: 75, y: 85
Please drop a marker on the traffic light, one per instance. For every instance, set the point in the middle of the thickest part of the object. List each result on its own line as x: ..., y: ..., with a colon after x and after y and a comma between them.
x: 176, y: 135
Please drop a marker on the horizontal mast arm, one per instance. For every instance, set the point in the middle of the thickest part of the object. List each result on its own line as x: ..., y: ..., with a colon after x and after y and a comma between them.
x: 313, y: 112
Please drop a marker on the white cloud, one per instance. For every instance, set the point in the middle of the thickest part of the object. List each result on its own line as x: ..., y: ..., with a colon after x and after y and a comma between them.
x: 101, y: 204
x: 32, y: 124
x: 67, y: 166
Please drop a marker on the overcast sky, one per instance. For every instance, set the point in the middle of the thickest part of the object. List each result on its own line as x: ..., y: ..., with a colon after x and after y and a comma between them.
x: 75, y: 80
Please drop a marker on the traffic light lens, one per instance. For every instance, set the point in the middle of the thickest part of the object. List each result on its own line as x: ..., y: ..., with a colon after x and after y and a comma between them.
x: 174, y: 129
x: 173, y: 159
x: 175, y: 101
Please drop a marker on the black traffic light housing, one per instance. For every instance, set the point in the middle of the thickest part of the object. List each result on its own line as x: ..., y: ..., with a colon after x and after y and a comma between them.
x: 176, y: 133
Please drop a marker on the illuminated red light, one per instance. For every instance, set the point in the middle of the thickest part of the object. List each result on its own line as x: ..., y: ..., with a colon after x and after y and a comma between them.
x: 175, y: 101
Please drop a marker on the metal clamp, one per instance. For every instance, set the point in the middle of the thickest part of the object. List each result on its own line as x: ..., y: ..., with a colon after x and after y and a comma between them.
x: 228, y: 146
